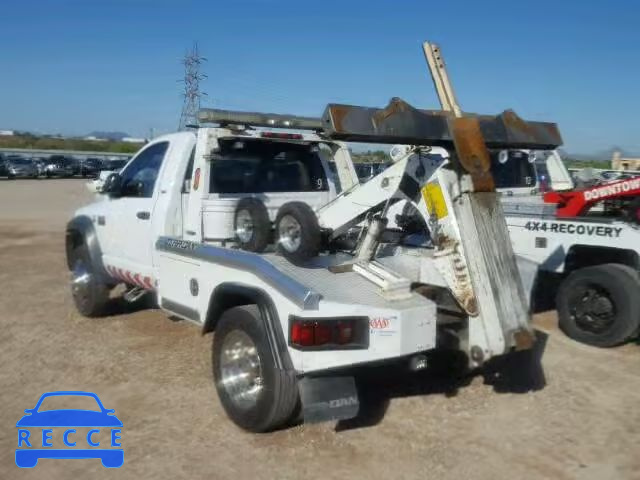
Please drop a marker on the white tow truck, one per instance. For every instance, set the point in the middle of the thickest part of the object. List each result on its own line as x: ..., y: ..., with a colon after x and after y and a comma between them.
x: 586, y: 258
x: 243, y: 228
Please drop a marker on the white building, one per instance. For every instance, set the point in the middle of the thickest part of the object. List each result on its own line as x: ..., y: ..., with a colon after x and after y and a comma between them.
x: 618, y: 162
x: 7, y: 133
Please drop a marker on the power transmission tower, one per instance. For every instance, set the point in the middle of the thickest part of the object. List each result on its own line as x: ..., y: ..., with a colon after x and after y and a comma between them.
x: 192, y: 76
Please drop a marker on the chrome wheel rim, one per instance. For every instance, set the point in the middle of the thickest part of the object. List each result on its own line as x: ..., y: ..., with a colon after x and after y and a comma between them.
x: 244, y: 226
x: 241, y: 369
x: 289, y: 233
x: 80, y: 280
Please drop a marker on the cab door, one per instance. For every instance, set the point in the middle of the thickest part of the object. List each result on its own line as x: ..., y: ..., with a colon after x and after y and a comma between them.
x: 130, y: 225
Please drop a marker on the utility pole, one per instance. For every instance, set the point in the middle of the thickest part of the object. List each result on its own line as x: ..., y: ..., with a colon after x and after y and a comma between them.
x: 192, y: 94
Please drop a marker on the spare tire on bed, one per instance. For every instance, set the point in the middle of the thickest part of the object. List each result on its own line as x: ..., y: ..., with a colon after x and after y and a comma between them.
x: 298, y: 235
x: 251, y: 225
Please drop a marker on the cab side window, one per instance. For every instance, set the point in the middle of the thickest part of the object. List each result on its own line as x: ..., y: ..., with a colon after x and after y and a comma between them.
x: 139, y: 178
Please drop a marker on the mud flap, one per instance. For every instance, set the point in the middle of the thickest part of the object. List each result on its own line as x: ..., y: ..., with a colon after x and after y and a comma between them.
x: 328, y: 398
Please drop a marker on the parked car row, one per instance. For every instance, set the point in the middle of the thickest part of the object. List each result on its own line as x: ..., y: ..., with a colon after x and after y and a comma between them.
x: 18, y: 166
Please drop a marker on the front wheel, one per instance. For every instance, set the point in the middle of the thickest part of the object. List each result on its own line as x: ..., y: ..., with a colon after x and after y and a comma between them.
x: 600, y: 305
x: 255, y: 394
x: 90, y: 293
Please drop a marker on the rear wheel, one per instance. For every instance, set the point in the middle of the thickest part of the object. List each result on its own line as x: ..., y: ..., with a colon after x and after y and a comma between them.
x: 251, y: 225
x: 90, y: 293
x: 600, y: 305
x: 297, y: 232
x: 255, y: 394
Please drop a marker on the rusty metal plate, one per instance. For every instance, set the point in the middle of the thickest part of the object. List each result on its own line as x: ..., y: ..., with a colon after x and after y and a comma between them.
x: 471, y: 152
x: 400, y: 122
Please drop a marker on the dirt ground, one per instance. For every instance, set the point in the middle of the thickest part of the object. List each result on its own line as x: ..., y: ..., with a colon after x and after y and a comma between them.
x: 577, y: 417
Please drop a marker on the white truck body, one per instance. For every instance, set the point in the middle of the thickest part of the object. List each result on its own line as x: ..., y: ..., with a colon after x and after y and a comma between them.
x: 131, y: 250
x: 173, y: 237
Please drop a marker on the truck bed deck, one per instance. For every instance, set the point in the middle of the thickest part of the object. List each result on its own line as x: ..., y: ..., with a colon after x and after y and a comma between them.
x: 305, y: 285
x: 346, y: 288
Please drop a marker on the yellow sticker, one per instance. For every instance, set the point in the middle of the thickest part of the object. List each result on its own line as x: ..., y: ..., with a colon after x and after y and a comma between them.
x: 434, y: 199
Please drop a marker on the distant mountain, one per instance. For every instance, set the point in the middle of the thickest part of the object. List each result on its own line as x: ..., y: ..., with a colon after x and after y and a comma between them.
x: 117, y: 136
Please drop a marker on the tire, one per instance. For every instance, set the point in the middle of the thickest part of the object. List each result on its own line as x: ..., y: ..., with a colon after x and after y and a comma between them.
x: 633, y: 211
x: 90, y: 293
x: 600, y: 305
x: 251, y: 225
x: 274, y: 402
x: 298, y: 235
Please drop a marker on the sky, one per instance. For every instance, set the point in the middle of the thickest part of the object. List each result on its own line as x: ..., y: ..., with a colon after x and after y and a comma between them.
x: 76, y: 66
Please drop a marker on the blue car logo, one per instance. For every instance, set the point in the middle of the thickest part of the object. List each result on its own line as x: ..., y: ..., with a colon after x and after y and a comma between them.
x: 34, y: 444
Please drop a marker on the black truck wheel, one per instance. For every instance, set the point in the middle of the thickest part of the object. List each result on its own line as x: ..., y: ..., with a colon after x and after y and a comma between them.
x: 298, y: 235
x: 90, y: 293
x: 600, y: 305
x: 251, y: 225
x: 256, y: 395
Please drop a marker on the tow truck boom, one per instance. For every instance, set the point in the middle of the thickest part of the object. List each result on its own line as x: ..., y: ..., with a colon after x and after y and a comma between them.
x: 473, y: 251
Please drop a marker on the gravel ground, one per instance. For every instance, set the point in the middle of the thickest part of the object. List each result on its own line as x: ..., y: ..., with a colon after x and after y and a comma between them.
x: 575, y: 416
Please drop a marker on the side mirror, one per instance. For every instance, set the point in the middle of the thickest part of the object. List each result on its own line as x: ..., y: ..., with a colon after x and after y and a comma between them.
x: 135, y: 189
x: 112, y: 185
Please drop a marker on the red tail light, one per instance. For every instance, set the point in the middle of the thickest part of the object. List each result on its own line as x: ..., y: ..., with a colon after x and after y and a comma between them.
x: 302, y: 334
x: 323, y: 333
x: 328, y: 333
